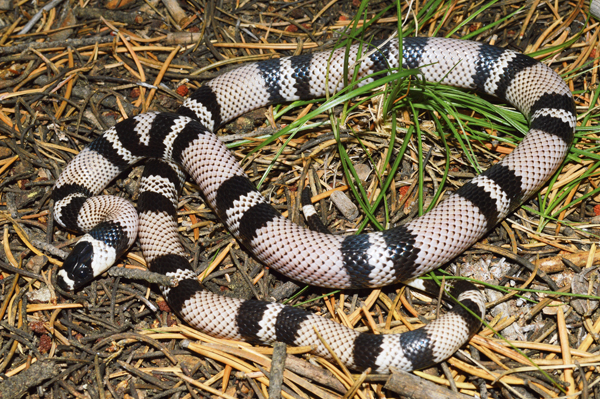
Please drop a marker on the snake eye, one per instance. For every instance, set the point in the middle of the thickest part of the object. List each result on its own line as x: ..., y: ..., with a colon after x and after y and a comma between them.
x: 78, y: 265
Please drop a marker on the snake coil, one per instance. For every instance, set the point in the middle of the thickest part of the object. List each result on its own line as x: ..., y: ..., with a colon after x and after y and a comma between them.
x: 399, y: 254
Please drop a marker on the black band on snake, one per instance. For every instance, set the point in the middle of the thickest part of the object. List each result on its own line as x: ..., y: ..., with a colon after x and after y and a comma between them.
x: 399, y: 254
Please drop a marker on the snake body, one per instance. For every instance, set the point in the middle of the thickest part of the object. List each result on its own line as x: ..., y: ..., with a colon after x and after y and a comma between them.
x: 376, y: 259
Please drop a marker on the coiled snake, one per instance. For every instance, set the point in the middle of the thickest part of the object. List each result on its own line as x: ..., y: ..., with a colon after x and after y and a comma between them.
x: 399, y: 254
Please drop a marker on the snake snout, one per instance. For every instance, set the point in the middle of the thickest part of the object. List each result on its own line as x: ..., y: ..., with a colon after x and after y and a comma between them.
x: 77, y: 268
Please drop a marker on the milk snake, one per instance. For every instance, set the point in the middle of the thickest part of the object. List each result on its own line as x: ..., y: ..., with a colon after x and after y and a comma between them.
x: 399, y: 254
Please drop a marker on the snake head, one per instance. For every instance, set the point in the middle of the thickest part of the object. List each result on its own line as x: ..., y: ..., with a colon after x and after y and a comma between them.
x: 77, y: 268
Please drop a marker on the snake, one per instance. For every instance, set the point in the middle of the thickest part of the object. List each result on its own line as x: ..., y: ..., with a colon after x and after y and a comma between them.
x: 185, y: 142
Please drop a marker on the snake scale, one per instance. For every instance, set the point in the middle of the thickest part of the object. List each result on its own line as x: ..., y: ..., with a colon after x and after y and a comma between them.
x: 399, y: 254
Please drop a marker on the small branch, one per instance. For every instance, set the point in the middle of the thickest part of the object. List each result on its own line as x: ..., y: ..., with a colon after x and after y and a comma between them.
x: 413, y: 387
x: 58, y: 44
x: 51, y: 249
x: 146, y: 275
x: 29, y: 25
x: 22, y: 272
x: 18, y: 385
x: 277, y: 367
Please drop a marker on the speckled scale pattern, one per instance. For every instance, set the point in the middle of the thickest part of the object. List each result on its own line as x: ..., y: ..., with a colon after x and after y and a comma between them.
x: 373, y: 260
x: 161, y: 179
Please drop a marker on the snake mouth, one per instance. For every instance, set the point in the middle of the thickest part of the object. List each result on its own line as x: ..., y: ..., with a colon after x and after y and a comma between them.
x: 64, y: 282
